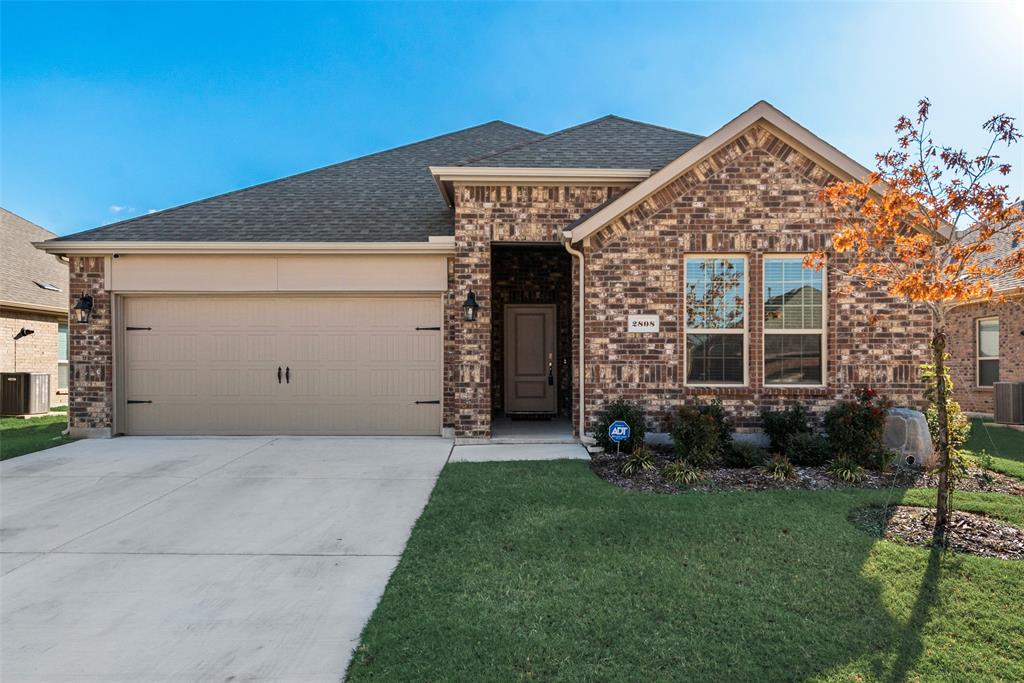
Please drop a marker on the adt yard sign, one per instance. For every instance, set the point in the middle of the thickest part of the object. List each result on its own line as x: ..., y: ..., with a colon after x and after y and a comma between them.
x: 618, y: 431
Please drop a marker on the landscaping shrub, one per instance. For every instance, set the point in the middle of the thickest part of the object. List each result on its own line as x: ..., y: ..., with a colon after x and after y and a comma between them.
x: 640, y: 460
x: 959, y: 426
x: 744, y: 454
x: 807, y: 450
x: 683, y: 473
x: 846, y: 469
x: 778, y: 467
x: 701, y: 433
x: 630, y: 413
x: 856, y: 428
x: 779, y: 425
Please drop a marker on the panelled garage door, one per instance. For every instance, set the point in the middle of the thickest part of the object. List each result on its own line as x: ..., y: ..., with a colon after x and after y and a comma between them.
x: 345, y: 365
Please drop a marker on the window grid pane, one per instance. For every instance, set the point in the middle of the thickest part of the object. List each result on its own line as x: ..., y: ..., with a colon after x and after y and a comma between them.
x: 62, y: 341
x: 714, y: 358
x: 988, y: 339
x: 988, y: 372
x: 792, y: 359
x: 792, y: 295
x: 715, y: 296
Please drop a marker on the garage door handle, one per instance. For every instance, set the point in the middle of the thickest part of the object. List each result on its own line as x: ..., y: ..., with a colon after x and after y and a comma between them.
x: 419, y: 403
x: 287, y: 375
x: 278, y: 374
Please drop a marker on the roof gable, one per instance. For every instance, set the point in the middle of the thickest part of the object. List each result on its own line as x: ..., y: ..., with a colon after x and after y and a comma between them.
x: 607, y: 142
x: 27, y: 275
x: 818, y: 152
x: 389, y: 196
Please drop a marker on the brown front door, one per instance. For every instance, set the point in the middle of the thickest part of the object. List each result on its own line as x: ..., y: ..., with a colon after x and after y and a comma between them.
x: 530, y: 362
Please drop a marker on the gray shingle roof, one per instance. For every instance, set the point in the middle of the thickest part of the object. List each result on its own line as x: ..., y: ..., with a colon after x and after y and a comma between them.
x: 22, y: 265
x: 1003, y: 245
x: 385, y: 197
x: 607, y: 142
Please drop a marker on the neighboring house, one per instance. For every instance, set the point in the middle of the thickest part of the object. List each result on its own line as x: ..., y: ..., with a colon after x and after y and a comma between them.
x: 986, y: 339
x: 33, y: 305
x: 435, y: 287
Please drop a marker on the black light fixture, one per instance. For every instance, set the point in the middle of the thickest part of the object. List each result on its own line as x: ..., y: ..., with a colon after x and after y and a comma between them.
x: 84, y: 308
x: 23, y: 332
x: 470, y: 306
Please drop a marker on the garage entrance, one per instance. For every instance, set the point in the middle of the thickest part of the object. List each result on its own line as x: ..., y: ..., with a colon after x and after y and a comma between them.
x: 239, y: 365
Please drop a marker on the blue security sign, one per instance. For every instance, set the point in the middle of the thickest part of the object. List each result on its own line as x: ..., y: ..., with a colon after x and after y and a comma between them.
x: 618, y: 431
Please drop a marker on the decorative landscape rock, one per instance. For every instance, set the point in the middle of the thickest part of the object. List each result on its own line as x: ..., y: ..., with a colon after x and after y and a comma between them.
x: 906, y: 432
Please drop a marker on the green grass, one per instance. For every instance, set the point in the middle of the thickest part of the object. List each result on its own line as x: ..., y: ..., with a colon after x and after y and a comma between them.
x: 18, y: 436
x: 542, y: 571
x: 1005, y: 445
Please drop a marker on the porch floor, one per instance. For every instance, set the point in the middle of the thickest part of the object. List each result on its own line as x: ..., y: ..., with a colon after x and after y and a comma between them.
x: 506, y: 430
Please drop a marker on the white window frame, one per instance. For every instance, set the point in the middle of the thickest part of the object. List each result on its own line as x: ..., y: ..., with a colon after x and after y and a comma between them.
x: 977, y: 351
x: 745, y: 330
x: 823, y: 332
x: 66, y: 362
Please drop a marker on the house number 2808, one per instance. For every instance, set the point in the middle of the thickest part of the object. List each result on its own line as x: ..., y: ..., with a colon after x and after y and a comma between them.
x: 643, y: 323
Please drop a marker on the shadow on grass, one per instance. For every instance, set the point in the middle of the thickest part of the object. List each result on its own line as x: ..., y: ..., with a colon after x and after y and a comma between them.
x: 912, y: 644
x: 20, y: 437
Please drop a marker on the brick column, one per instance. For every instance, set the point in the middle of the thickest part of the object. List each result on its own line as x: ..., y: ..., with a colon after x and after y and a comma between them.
x: 91, y: 388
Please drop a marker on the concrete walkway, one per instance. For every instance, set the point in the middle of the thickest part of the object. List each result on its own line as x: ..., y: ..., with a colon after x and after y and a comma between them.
x: 492, y: 452
x: 196, y: 559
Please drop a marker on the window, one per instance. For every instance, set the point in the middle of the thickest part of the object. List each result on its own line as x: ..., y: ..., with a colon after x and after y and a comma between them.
x: 794, y: 322
x: 716, y: 320
x: 62, y: 356
x: 988, y: 351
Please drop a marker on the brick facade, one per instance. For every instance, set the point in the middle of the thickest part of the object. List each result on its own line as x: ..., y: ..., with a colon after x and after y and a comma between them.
x: 486, y: 215
x: 90, y: 408
x: 962, y: 345
x: 36, y: 353
x: 754, y: 197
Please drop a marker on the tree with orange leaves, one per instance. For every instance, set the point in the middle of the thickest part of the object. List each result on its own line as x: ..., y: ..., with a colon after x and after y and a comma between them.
x: 922, y: 228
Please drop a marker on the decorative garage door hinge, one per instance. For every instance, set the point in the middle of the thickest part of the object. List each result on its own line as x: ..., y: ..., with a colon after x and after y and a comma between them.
x: 428, y: 402
x: 131, y: 401
x: 438, y: 329
x: 132, y: 329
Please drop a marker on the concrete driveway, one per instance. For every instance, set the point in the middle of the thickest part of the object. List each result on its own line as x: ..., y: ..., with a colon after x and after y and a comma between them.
x: 199, y: 559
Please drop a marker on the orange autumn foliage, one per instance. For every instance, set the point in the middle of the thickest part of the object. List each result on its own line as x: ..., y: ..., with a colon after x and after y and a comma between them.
x: 923, y: 225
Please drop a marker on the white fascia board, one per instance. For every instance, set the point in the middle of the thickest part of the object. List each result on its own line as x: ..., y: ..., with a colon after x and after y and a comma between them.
x: 443, y: 244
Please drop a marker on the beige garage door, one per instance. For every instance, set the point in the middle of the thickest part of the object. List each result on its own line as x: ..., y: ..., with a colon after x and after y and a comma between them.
x: 348, y: 365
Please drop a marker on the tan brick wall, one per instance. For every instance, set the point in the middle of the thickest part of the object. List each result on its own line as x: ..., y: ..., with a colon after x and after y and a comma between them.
x: 91, y: 351
x: 962, y: 335
x: 754, y: 197
x: 35, y: 353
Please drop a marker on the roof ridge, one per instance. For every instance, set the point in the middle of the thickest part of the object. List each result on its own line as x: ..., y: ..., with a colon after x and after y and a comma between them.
x: 519, y: 145
x: 654, y: 125
x: 32, y: 223
x: 571, y: 129
x: 290, y: 177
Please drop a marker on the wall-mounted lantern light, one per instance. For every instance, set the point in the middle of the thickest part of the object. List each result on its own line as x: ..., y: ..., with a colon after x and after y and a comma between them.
x: 84, y: 308
x: 471, y: 306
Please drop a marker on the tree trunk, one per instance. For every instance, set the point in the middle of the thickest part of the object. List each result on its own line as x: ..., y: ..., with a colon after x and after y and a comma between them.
x: 942, y: 507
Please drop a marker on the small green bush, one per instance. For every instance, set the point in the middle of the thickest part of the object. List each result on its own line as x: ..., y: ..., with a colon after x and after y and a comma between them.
x: 640, y: 460
x: 856, y: 429
x: 958, y: 425
x: 701, y: 433
x: 744, y: 454
x: 779, y: 425
x: 683, y: 473
x: 847, y: 469
x: 807, y: 450
x: 778, y: 467
x: 630, y: 413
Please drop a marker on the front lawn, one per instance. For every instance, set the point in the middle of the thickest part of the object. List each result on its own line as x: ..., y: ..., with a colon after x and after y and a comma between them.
x: 1005, y: 445
x: 18, y: 436
x: 542, y: 571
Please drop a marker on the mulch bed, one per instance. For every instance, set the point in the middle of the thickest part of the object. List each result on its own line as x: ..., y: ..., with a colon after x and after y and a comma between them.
x: 967, y: 532
x: 609, y: 467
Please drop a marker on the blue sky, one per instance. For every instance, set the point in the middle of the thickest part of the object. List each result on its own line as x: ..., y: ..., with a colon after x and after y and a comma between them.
x: 111, y: 110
